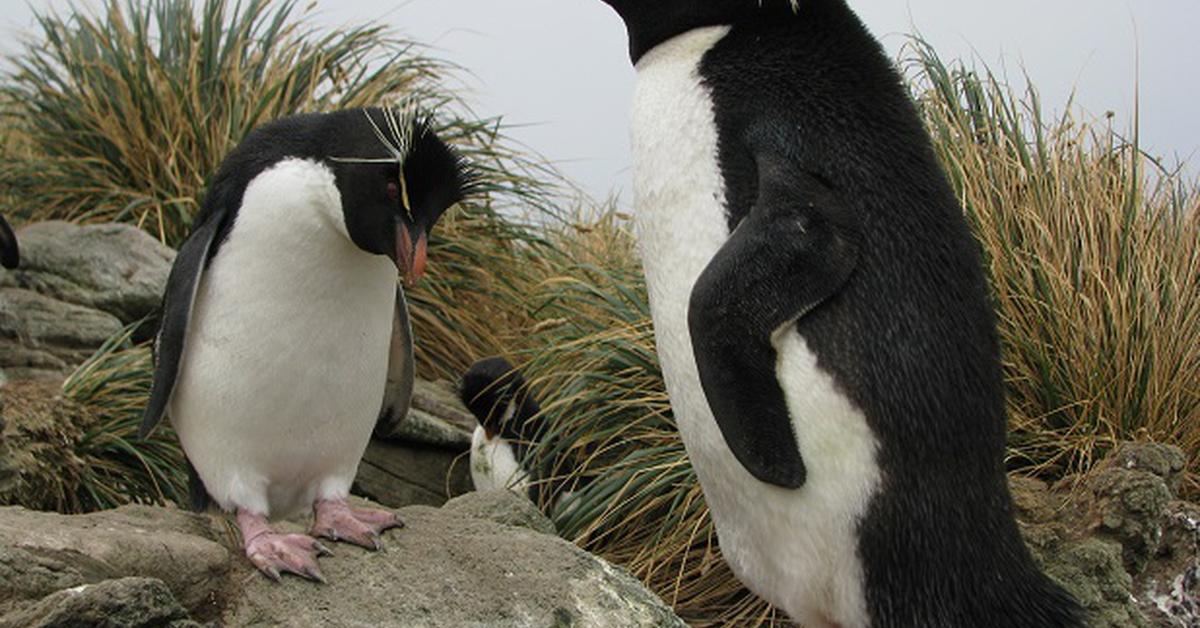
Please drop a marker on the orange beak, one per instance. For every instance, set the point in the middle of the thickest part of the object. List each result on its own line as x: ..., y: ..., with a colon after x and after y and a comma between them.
x: 410, y: 256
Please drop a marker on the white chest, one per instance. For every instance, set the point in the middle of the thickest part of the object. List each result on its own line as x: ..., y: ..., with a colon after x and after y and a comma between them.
x: 494, y: 464
x: 796, y: 548
x: 286, y: 354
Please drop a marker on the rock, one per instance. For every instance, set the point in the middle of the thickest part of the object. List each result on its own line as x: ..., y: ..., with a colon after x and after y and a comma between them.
x: 424, y: 460
x: 455, y: 566
x: 46, y: 551
x: 398, y: 474
x: 76, y: 287
x: 1114, y: 539
x: 500, y: 507
x: 1165, y: 461
x: 1131, y: 506
x: 114, y: 268
x: 122, y: 603
x: 43, y: 338
x: 448, y: 568
x: 1170, y: 586
x: 436, y: 417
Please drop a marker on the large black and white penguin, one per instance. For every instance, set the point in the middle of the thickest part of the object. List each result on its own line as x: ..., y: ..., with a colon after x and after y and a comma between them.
x: 823, y: 321
x: 509, y: 424
x: 285, y: 336
x: 10, y: 255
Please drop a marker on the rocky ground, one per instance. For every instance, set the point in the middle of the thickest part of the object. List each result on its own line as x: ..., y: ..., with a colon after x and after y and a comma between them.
x: 1119, y: 538
x: 484, y: 559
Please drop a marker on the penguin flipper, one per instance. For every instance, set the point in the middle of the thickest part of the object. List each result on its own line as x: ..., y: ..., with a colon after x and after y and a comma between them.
x: 9, y: 254
x: 397, y: 394
x: 178, y: 302
x: 796, y: 248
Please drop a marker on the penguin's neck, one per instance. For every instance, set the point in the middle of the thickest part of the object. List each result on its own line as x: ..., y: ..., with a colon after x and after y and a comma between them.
x: 295, y: 210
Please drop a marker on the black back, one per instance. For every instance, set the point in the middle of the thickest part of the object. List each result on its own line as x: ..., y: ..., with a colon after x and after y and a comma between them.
x: 910, y: 336
x: 10, y: 254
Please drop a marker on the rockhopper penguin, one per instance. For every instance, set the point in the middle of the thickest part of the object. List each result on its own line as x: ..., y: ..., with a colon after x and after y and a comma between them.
x: 285, y: 337
x: 823, y: 321
x: 10, y: 255
x: 509, y: 425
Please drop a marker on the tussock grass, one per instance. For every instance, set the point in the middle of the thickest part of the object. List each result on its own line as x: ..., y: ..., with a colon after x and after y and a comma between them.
x: 120, y: 468
x: 73, y: 448
x: 1094, y: 253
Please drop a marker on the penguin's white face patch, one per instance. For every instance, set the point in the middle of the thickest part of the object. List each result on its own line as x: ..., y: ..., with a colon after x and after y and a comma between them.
x: 796, y: 548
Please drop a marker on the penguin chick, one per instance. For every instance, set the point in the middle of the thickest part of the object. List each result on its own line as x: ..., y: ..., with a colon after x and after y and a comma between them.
x: 285, y: 336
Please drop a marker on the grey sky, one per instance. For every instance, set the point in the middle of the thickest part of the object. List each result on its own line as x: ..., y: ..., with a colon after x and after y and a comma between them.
x: 559, y: 66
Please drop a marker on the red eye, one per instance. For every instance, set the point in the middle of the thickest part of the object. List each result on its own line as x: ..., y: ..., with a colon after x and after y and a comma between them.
x: 394, y: 191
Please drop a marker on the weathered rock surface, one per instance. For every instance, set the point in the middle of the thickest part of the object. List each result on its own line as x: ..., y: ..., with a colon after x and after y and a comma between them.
x: 424, y: 460
x: 114, y: 268
x: 1117, y: 539
x: 77, y: 285
x: 483, y: 560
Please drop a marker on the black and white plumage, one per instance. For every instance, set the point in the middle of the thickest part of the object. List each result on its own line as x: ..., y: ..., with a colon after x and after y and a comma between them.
x: 823, y: 321
x: 10, y: 254
x: 509, y: 425
x: 285, y: 337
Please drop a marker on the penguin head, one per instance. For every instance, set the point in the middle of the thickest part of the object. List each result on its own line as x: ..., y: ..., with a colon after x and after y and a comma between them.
x: 651, y: 22
x: 396, y: 178
x: 498, y: 396
x: 9, y: 254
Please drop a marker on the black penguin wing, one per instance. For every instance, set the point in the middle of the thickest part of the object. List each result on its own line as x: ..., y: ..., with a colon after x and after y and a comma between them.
x: 178, y: 302
x: 397, y: 393
x: 9, y: 254
x: 795, y: 249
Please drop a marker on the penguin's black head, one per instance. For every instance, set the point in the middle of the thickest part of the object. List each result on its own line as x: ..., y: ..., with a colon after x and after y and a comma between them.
x: 10, y: 256
x: 651, y: 22
x: 396, y: 178
x: 489, y: 389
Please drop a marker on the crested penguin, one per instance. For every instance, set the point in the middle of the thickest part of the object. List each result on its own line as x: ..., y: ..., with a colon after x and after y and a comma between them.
x: 823, y: 321
x: 10, y: 255
x: 285, y: 335
x: 509, y: 425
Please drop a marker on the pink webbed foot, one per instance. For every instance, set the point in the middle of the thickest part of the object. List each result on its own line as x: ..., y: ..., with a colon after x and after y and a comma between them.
x: 335, y: 519
x: 274, y: 554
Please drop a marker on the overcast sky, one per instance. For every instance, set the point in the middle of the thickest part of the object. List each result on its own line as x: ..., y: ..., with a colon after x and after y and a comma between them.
x: 559, y: 67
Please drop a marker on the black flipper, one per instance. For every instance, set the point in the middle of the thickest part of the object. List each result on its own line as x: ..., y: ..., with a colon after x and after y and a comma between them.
x: 198, y: 498
x: 796, y: 248
x: 10, y: 255
x: 398, y: 393
x: 177, y: 311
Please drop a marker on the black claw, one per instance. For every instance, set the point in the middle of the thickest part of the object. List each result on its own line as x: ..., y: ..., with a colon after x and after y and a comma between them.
x: 271, y: 573
x: 314, y: 575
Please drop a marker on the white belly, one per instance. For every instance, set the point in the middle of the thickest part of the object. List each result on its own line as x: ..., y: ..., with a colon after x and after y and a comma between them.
x: 796, y: 548
x: 494, y: 464
x: 286, y: 354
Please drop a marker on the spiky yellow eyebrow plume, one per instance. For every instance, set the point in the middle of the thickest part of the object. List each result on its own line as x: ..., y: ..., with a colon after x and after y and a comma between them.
x: 400, y: 123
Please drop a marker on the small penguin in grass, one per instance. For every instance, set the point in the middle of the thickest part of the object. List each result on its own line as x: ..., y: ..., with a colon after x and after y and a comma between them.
x: 509, y: 425
x: 285, y: 336
x: 823, y: 321
x: 10, y: 255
